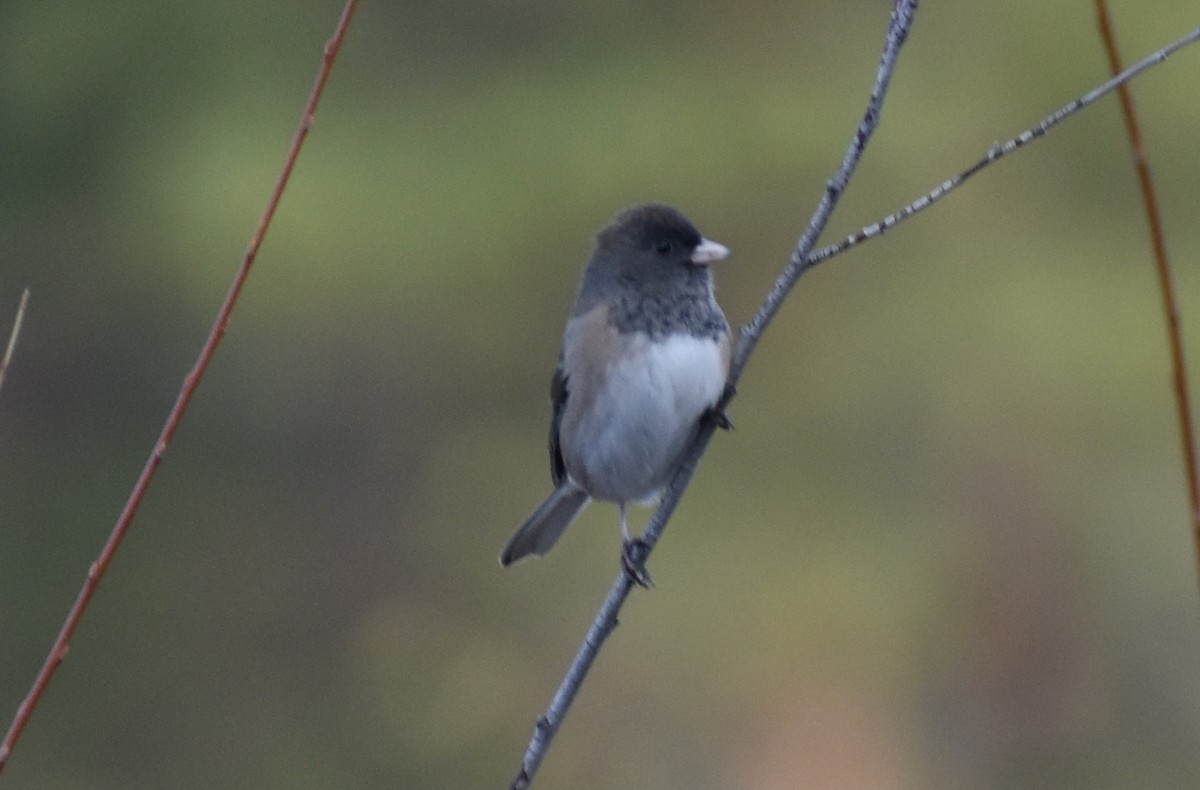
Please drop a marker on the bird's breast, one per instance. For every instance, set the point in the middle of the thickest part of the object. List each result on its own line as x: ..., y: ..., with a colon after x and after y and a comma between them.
x: 636, y: 409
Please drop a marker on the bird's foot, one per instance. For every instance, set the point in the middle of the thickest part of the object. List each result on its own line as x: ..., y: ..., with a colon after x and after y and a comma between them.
x: 720, y: 418
x: 633, y: 562
x: 717, y: 412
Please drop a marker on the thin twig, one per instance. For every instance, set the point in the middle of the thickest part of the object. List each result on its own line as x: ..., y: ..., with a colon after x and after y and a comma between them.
x: 12, y: 337
x: 606, y: 619
x: 59, y: 650
x: 901, y: 21
x: 802, y: 259
x: 1000, y: 150
x: 1187, y: 433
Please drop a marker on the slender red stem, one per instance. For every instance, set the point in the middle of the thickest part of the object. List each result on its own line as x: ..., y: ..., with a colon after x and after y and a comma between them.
x: 1187, y: 432
x: 96, y: 572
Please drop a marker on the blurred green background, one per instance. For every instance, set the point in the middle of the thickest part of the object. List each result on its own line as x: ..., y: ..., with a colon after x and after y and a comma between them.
x: 947, y: 545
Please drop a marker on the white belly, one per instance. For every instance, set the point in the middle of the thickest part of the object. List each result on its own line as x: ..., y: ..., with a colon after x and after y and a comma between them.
x: 630, y: 438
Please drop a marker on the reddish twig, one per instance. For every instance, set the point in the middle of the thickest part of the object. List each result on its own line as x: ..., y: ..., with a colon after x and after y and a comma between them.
x: 12, y: 338
x: 59, y: 650
x: 1187, y: 434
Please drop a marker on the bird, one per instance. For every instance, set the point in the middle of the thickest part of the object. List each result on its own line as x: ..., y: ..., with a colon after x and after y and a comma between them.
x: 644, y: 358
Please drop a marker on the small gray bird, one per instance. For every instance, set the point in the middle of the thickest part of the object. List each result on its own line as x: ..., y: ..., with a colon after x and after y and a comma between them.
x: 645, y: 356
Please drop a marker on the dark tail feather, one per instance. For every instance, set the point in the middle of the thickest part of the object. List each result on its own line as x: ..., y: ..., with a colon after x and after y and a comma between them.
x: 546, y: 525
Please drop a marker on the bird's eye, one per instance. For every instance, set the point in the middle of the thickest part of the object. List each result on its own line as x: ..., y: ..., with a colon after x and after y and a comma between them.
x: 663, y: 247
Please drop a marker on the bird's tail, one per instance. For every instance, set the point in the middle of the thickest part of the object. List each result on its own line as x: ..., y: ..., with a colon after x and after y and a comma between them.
x: 541, y: 530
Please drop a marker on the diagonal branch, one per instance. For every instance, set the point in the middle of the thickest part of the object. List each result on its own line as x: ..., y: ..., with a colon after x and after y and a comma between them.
x: 12, y: 337
x: 901, y: 21
x: 1187, y: 432
x: 999, y: 150
x: 606, y: 619
x: 802, y: 259
x: 96, y: 572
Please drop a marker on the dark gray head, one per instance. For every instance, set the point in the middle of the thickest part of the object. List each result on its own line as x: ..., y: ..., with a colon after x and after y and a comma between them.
x: 652, y: 249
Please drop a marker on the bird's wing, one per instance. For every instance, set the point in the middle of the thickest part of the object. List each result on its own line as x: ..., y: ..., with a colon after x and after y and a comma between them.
x: 558, y: 403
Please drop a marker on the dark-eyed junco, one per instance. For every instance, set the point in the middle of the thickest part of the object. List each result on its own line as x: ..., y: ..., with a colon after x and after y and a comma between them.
x: 645, y: 356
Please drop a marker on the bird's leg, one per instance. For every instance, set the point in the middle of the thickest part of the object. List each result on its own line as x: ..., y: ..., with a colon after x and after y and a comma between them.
x: 633, y: 555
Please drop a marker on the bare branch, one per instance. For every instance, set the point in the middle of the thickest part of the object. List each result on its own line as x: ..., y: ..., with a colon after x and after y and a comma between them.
x: 999, y: 150
x: 12, y: 337
x: 901, y: 21
x: 1158, y: 244
x: 59, y: 649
